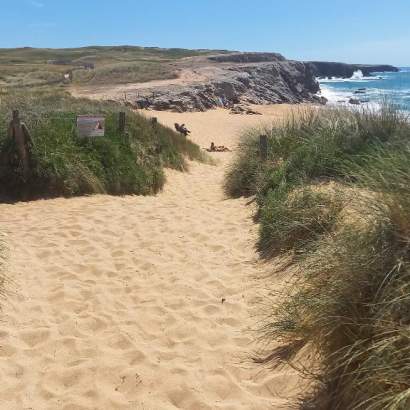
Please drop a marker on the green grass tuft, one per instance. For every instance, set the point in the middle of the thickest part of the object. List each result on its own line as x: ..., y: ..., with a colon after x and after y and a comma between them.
x: 311, y: 145
x: 65, y: 164
x: 290, y: 220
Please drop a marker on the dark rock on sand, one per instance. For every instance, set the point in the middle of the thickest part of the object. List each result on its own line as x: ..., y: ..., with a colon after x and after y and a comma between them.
x: 243, y: 109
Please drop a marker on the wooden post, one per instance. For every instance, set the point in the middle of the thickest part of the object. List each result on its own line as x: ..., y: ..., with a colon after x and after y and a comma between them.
x: 21, y: 136
x: 121, y: 122
x: 154, y: 121
x: 263, y: 147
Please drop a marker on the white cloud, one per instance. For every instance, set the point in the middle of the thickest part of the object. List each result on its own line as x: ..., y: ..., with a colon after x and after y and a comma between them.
x: 36, y: 3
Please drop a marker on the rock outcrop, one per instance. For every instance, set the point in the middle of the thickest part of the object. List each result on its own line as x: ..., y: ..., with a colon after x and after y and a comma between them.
x: 250, y: 78
x: 228, y: 80
x: 248, y: 58
x: 324, y: 69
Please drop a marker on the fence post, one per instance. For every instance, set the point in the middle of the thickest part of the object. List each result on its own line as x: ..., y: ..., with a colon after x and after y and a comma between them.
x: 121, y: 122
x: 21, y: 136
x: 263, y: 147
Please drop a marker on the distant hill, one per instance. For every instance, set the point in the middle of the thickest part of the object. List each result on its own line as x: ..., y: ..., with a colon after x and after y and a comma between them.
x: 90, y: 65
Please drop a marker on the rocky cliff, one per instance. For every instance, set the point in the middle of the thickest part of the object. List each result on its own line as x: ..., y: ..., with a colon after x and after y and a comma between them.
x: 248, y: 58
x: 324, y: 69
x: 253, y: 78
x: 229, y: 80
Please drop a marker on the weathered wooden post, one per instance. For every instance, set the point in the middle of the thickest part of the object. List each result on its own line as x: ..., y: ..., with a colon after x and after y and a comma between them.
x: 22, y: 138
x: 263, y: 147
x: 121, y: 122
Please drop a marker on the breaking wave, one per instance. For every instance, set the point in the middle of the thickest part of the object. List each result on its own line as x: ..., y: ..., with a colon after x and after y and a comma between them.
x: 372, y: 90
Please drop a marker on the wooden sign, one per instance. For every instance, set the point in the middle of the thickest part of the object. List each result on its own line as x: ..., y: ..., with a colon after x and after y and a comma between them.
x: 91, y: 125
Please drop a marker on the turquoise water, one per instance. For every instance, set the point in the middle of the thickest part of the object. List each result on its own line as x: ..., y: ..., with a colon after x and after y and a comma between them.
x: 395, y: 87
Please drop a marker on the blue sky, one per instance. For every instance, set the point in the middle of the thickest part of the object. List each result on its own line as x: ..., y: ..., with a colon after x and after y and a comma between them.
x: 361, y: 31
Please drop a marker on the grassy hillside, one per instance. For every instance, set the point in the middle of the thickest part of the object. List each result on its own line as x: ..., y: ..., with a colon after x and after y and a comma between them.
x: 63, y: 163
x: 111, y: 65
x: 334, y: 197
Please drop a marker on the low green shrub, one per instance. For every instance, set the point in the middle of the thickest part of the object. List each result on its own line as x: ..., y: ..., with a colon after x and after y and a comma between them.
x: 311, y: 145
x: 65, y: 164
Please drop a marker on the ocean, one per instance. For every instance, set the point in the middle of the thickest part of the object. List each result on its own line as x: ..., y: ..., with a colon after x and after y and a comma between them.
x: 370, y: 91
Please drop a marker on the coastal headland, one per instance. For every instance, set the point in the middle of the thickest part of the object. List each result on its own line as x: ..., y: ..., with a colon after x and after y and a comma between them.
x: 228, y: 80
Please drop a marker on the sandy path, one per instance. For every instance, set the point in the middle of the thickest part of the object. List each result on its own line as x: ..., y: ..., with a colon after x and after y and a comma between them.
x: 117, y: 302
x: 118, y: 91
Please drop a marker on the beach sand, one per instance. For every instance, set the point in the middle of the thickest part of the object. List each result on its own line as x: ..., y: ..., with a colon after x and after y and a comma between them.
x: 139, y: 302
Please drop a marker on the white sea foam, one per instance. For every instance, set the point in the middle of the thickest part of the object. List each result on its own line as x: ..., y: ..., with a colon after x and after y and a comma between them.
x: 357, y: 75
x: 373, y: 91
x: 350, y: 80
x: 339, y: 98
x: 334, y: 96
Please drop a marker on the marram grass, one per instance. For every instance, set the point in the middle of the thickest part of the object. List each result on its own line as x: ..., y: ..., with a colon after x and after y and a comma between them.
x: 65, y: 164
x: 334, y: 194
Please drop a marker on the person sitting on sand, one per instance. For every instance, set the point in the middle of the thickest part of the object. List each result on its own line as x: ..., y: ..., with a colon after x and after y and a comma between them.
x: 99, y: 126
x: 182, y: 129
x: 219, y: 148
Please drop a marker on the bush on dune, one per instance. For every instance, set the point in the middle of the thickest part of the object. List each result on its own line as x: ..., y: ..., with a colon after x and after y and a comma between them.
x: 311, y: 145
x: 348, y: 304
x: 65, y: 164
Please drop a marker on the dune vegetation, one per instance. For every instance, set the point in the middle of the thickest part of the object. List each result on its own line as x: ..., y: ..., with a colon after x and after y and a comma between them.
x: 62, y: 163
x: 334, y: 198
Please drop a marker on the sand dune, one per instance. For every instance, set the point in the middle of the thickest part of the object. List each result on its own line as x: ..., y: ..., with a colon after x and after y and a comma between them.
x: 138, y: 302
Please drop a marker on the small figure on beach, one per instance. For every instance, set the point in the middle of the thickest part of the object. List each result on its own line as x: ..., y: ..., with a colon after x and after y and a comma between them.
x: 182, y: 129
x: 99, y: 126
x: 218, y: 148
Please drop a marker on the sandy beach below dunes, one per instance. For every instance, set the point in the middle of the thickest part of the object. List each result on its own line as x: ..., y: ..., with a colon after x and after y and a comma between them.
x: 139, y: 302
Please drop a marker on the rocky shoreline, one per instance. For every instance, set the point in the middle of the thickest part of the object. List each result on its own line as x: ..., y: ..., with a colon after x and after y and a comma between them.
x: 244, y: 79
